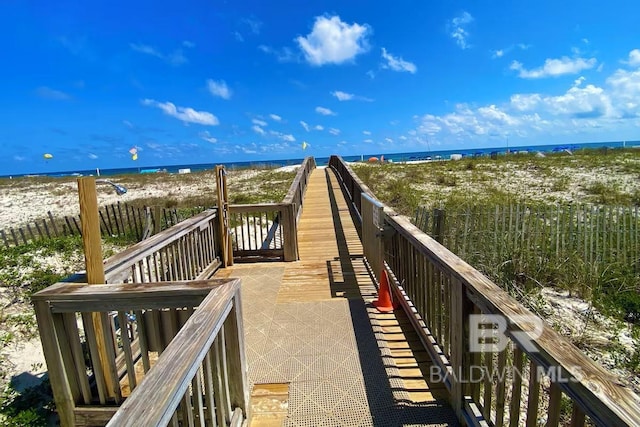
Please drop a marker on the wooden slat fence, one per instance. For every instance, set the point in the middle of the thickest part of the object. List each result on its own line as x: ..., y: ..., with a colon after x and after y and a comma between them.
x: 596, y: 235
x: 537, y: 377
x: 119, y: 219
x: 178, y: 348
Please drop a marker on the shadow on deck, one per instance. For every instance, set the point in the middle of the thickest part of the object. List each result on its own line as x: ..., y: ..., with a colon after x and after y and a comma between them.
x: 310, y: 324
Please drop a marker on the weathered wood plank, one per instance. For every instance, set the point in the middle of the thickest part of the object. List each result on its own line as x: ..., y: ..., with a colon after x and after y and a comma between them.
x: 67, y: 297
x: 160, y: 391
x: 58, y: 377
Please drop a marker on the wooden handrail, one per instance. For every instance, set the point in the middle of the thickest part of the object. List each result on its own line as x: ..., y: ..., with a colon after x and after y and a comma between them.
x: 119, y: 263
x: 66, y: 298
x: 155, y: 400
x: 149, y: 317
x: 300, y: 181
x: 262, y: 207
x: 593, y: 390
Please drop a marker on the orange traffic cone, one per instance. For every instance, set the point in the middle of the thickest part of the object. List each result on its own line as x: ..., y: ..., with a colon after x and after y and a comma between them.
x: 384, y: 303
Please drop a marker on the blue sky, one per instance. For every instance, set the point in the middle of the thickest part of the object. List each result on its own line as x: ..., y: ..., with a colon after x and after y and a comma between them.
x: 217, y: 81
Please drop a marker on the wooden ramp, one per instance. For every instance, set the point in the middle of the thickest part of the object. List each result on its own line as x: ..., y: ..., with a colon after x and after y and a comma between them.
x: 310, y: 325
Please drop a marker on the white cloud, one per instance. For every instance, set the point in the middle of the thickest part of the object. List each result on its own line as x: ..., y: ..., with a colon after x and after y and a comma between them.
x: 366, y: 132
x: 554, y: 67
x: 48, y: 93
x: 184, y: 114
x: 219, y: 88
x: 325, y: 111
x: 499, y: 53
x: 634, y: 58
x: 284, y: 54
x: 389, y: 140
x: 282, y: 136
x: 466, y: 122
x: 275, y: 117
x: 458, y: 31
x: 259, y: 122
x: 318, y: 127
x: 205, y: 135
x: 580, y: 110
x: 334, y: 131
x: 397, y: 63
x: 175, y: 58
x: 368, y: 141
x: 253, y: 24
x: 332, y: 41
x: 146, y: 49
x: 525, y: 102
x: 92, y: 156
x: 257, y: 129
x: 189, y: 44
x: 625, y: 90
x: 588, y: 102
x: 344, y: 96
x: 304, y: 125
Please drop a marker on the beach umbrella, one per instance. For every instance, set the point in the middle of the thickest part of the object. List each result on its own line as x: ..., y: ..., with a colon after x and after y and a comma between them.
x: 373, y: 159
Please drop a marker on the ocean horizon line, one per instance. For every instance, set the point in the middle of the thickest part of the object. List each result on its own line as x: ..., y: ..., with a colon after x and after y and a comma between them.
x: 321, y: 161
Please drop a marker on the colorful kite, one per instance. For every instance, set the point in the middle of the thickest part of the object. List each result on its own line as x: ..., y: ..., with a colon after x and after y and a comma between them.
x: 305, y: 144
x: 47, y: 156
x: 134, y: 153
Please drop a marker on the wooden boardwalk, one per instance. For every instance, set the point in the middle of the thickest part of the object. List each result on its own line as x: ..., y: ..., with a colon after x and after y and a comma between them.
x: 312, y: 334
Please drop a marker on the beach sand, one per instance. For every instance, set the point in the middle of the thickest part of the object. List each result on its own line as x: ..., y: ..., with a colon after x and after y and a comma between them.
x: 26, y: 200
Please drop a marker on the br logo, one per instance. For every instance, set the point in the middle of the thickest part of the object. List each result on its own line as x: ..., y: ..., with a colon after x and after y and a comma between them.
x: 491, y: 332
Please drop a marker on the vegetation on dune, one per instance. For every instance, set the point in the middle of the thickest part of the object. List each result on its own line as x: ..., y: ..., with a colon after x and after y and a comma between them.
x: 26, y: 269
x: 592, y: 176
x: 578, y: 225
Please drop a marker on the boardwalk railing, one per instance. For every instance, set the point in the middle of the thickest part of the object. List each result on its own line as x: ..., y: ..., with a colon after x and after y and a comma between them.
x: 187, y: 251
x: 295, y: 195
x: 525, y: 373
x: 178, y: 353
x: 265, y: 230
x: 269, y: 230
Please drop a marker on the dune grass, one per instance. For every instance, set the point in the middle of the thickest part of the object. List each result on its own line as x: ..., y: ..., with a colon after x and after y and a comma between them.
x: 552, y: 190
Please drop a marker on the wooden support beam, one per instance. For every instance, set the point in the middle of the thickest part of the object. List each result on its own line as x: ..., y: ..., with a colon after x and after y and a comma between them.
x: 92, y: 245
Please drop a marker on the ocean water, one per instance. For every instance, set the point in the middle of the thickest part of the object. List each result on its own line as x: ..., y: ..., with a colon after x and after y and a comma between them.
x: 321, y: 161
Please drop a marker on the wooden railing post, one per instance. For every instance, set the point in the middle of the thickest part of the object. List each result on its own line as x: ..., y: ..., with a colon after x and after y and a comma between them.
x: 58, y: 376
x: 226, y: 249
x: 236, y: 358
x: 290, y: 232
x: 461, y: 308
x: 92, y: 245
